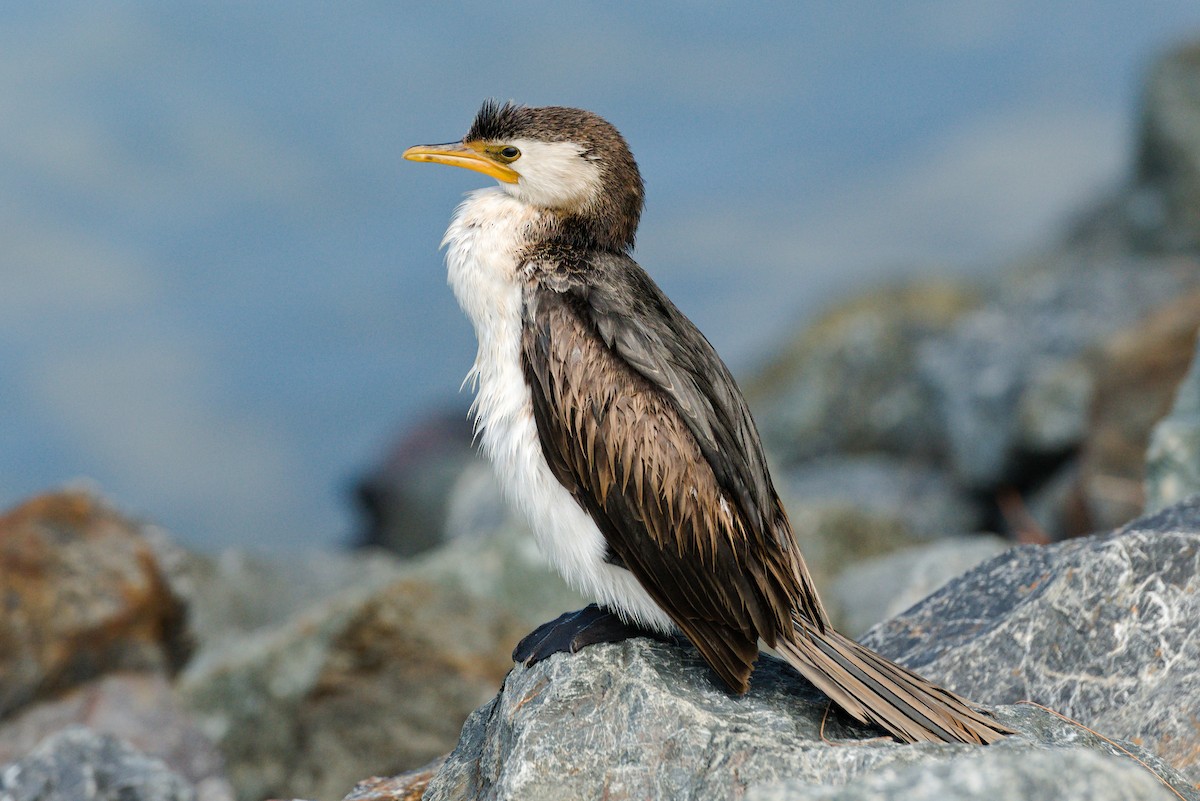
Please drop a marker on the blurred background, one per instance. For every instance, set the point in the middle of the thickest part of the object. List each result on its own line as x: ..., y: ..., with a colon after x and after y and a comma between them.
x: 221, y: 294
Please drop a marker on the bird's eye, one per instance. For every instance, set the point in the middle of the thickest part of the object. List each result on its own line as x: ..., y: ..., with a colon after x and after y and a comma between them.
x: 510, y: 153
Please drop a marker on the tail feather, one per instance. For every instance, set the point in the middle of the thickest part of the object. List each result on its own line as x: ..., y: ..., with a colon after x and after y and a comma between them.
x: 874, y: 690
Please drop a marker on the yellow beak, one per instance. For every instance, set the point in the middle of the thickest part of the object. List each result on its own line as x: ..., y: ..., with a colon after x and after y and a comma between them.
x: 458, y: 154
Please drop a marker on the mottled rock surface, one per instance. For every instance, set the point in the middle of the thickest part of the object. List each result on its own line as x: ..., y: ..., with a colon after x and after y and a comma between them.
x: 1103, y: 629
x: 78, y: 764
x: 1038, y: 320
x: 83, y: 595
x: 993, y: 774
x: 643, y: 720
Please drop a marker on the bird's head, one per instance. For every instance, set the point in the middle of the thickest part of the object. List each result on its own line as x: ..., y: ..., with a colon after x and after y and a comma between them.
x: 568, y: 161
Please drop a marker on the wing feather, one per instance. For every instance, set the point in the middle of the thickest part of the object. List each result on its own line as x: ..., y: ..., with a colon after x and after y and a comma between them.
x: 643, y: 424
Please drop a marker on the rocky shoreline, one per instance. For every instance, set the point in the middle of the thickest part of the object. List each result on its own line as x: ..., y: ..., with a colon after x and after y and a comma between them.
x: 952, y: 445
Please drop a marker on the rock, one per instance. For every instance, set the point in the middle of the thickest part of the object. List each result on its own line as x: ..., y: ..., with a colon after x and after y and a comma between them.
x: 648, y: 720
x: 376, y: 678
x: 408, y: 786
x: 78, y: 764
x: 239, y: 593
x: 404, y: 499
x: 1168, y: 159
x: 993, y: 774
x: 850, y: 508
x: 875, y: 589
x: 848, y: 382
x: 1101, y: 629
x: 139, y: 708
x: 1138, y: 373
x: 1173, y: 461
x: 84, y: 595
x: 1040, y: 321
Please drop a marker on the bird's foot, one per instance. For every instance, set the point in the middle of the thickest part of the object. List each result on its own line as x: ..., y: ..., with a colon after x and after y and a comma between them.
x: 576, y: 630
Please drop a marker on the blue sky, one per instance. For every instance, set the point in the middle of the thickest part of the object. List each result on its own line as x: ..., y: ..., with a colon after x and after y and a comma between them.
x: 220, y: 290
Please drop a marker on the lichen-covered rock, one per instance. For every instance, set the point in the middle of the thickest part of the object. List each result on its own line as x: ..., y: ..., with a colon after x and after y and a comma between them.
x: 83, y: 595
x: 78, y: 764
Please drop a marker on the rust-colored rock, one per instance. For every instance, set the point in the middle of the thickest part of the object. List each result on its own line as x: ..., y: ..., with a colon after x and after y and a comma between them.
x: 408, y: 786
x: 1137, y: 375
x: 82, y: 595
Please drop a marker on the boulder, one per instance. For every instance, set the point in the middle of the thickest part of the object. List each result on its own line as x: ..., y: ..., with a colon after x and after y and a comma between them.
x: 878, y: 588
x: 375, y: 678
x: 1173, y: 461
x: 139, y: 708
x: 1100, y: 629
x: 403, y: 500
x: 848, y: 382
x: 994, y: 774
x: 77, y: 764
x: 645, y: 720
x: 84, y: 595
x: 1168, y: 159
x: 1137, y: 376
x: 850, y: 508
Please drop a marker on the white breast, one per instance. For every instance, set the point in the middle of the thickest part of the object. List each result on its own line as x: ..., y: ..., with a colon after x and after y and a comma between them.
x: 488, y: 229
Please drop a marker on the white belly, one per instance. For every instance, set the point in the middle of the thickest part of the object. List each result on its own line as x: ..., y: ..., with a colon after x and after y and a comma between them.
x: 486, y: 231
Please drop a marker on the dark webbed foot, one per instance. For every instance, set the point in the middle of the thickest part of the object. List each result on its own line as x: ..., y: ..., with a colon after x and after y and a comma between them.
x: 575, y: 630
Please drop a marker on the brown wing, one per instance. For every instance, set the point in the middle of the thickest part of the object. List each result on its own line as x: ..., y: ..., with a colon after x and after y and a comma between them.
x: 617, y: 413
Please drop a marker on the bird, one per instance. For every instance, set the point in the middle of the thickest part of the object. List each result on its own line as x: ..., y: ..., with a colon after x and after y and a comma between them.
x: 615, y: 427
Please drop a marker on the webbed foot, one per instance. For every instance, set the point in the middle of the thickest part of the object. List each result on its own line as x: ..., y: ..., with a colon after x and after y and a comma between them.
x: 576, y: 630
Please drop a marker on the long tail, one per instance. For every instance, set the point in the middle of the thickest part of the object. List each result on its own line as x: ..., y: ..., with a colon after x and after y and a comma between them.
x: 875, y: 690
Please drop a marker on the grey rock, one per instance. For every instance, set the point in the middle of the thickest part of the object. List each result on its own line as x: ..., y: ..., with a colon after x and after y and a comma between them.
x: 139, y: 708
x: 848, y: 382
x: 239, y: 593
x: 1025, y: 339
x: 849, y: 508
x: 1101, y: 629
x: 995, y: 774
x: 875, y: 589
x: 403, y: 501
x: 646, y: 720
x: 1173, y: 458
x: 78, y: 764
x: 375, y: 678
x: 1168, y: 161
